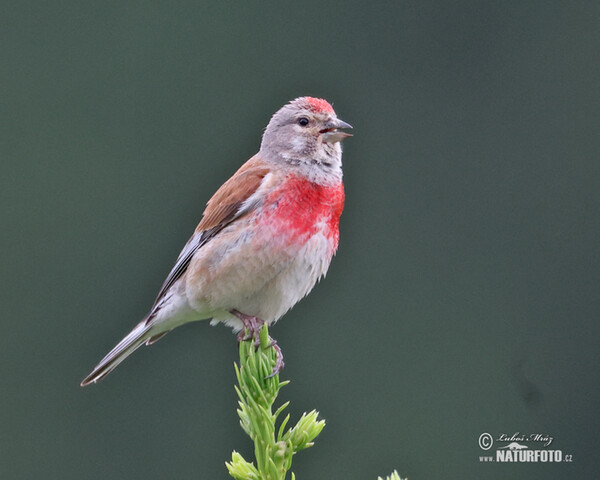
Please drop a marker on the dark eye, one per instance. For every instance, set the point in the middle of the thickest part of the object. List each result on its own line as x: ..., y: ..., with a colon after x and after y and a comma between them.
x: 303, y: 121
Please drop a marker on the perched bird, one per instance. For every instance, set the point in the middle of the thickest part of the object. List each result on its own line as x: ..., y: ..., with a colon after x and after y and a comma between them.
x: 265, y: 238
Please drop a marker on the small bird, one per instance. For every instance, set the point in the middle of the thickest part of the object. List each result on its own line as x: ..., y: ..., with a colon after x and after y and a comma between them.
x: 265, y: 238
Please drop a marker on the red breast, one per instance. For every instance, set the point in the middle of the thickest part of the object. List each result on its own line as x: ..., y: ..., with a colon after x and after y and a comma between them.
x: 303, y: 208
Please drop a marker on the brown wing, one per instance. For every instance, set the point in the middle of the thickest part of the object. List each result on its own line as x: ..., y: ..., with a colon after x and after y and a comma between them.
x: 221, y: 210
x: 225, y: 203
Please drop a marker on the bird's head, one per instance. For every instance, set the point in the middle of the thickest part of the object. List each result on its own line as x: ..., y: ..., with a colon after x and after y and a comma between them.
x: 305, y: 132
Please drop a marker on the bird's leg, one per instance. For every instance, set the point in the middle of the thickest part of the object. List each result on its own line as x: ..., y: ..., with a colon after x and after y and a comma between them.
x: 252, y: 326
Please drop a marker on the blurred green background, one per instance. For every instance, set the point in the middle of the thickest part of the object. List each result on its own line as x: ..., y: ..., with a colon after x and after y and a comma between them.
x: 465, y: 294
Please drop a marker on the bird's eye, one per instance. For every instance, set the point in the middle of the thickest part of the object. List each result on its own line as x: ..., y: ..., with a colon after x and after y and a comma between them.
x: 303, y: 121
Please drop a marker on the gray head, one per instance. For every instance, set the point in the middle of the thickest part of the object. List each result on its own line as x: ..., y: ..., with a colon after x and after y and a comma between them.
x: 304, y: 133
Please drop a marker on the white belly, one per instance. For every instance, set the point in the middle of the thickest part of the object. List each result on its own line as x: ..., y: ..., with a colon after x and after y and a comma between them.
x: 260, y: 275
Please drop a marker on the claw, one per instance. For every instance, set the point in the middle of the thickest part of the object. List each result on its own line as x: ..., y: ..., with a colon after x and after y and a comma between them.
x: 252, y: 326
x: 279, y: 361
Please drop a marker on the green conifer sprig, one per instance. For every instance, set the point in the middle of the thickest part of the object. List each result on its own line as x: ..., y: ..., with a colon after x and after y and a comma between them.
x: 393, y: 476
x: 257, y: 390
x: 274, y: 447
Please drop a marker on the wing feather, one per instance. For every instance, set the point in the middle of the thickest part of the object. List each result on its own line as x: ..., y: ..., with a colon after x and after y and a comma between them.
x: 225, y: 206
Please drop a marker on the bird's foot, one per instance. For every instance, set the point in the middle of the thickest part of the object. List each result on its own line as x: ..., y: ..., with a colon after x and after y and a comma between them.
x: 252, y: 326
x: 279, y: 360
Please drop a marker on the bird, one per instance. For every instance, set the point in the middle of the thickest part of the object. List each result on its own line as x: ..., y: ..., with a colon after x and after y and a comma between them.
x: 265, y: 238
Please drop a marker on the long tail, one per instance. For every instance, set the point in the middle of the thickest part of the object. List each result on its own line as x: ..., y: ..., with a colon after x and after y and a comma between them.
x: 136, y: 338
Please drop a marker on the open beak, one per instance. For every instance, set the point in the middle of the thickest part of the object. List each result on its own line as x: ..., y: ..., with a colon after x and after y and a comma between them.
x: 331, y: 134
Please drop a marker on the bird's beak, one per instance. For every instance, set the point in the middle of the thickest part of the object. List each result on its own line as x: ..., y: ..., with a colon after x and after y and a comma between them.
x: 331, y: 134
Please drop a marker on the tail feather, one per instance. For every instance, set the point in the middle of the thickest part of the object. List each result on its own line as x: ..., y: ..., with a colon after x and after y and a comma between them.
x: 137, y: 337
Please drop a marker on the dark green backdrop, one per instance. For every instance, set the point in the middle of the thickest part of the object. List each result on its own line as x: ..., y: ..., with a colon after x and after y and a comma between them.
x: 465, y: 294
